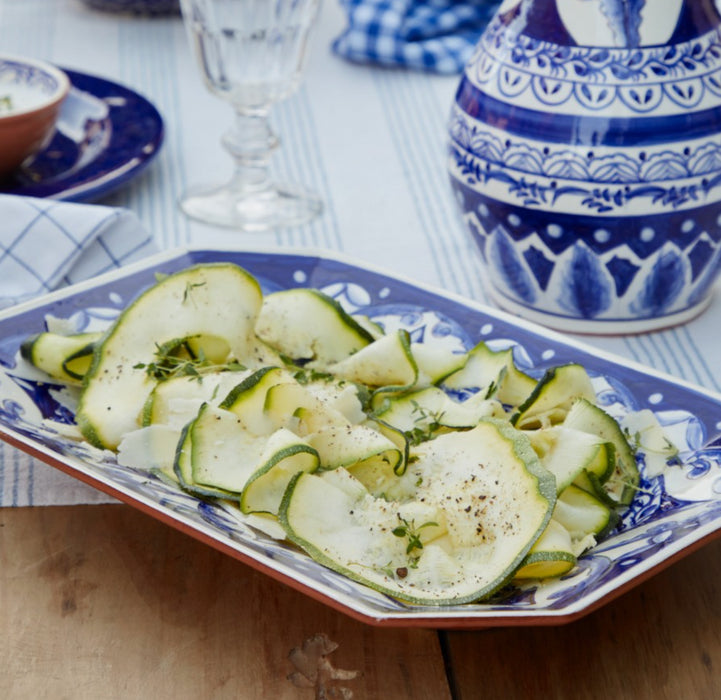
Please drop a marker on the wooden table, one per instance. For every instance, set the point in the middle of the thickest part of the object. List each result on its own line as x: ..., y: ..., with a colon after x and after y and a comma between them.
x: 105, y: 602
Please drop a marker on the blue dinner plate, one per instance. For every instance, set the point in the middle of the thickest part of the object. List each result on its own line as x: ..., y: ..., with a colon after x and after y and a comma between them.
x: 106, y: 135
x: 673, y: 513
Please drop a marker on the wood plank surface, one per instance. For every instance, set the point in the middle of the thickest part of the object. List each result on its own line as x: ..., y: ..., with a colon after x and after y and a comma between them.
x: 661, y: 640
x: 105, y: 602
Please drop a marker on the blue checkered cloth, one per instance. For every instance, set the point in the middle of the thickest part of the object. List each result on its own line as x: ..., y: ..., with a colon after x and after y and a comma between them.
x: 46, y: 244
x: 431, y: 35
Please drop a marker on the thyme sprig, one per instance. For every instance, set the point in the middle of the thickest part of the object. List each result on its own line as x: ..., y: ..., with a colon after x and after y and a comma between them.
x: 414, y: 544
x: 306, y: 376
x: 176, y: 360
x: 636, y: 443
x: 426, y: 424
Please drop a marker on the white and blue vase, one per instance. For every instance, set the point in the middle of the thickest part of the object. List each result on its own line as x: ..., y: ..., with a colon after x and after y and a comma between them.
x: 585, y: 153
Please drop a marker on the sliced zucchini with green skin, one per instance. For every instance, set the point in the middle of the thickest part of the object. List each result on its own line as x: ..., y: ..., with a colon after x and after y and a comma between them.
x: 265, y: 488
x: 472, y: 543
x: 397, y: 437
x: 271, y: 399
x: 591, y: 483
x: 373, y: 328
x: 370, y: 456
x: 77, y: 364
x: 339, y: 396
x: 435, y: 363
x: 494, y: 373
x: 621, y: 485
x: 183, y: 469
x: 570, y: 454
x: 249, y: 398
x: 176, y: 401
x: 339, y: 443
x: 552, y: 555
x: 212, y: 348
x: 291, y: 405
x: 194, y: 302
x: 252, y: 390
x: 225, y: 456
x: 422, y: 413
x: 63, y: 357
x: 546, y: 564
x: 553, y: 396
x: 387, y: 362
x: 345, y: 445
x: 582, y: 514
x: 309, y: 325
x: 174, y: 351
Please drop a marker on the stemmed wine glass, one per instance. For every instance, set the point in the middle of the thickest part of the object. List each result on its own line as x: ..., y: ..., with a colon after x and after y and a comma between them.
x: 251, y: 54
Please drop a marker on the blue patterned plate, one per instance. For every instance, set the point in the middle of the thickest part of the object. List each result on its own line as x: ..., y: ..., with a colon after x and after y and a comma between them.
x: 672, y: 515
x: 106, y: 135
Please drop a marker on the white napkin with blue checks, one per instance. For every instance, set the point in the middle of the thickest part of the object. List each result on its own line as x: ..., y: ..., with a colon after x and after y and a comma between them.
x: 431, y: 35
x: 46, y: 244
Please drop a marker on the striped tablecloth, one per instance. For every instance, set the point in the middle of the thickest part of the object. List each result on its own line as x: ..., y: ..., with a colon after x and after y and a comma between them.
x: 370, y: 140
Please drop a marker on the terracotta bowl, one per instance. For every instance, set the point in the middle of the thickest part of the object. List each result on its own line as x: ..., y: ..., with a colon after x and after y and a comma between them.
x: 31, y: 93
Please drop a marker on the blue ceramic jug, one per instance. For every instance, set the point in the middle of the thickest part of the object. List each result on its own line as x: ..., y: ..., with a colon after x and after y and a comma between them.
x: 585, y: 153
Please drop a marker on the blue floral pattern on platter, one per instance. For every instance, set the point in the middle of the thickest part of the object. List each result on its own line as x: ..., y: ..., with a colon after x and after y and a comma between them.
x: 106, y: 135
x: 671, y: 514
x: 608, y: 155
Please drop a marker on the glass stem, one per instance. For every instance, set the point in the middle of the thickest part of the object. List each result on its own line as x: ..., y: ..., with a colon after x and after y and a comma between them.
x: 251, y: 144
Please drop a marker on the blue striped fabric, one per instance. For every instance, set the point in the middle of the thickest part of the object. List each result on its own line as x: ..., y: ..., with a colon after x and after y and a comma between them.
x: 432, y: 35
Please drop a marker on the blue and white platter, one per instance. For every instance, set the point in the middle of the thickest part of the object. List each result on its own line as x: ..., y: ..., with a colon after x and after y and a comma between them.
x: 106, y: 135
x: 673, y: 513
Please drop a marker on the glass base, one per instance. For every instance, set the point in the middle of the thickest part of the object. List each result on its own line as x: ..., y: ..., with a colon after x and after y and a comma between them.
x: 276, y: 207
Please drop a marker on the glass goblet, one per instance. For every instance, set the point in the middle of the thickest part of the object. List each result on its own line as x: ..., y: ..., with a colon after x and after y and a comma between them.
x: 251, y: 54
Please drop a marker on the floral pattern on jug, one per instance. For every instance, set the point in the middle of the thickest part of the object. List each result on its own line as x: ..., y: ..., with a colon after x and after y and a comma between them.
x: 585, y: 153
